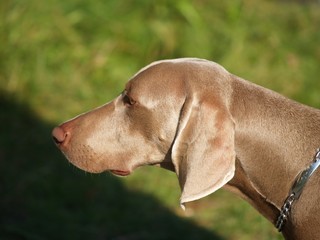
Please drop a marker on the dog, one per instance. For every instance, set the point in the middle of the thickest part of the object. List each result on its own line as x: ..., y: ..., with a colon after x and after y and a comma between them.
x: 213, y: 129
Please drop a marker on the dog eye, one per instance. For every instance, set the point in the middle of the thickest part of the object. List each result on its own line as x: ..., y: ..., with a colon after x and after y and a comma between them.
x: 128, y: 101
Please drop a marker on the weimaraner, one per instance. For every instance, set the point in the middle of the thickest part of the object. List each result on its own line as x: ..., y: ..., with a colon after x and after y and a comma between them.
x: 213, y: 129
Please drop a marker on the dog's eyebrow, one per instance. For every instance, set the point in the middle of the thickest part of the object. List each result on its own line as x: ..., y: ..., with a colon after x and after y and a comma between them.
x: 128, y: 86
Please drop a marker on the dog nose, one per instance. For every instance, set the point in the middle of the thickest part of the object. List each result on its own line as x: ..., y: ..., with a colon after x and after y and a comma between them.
x: 59, y: 135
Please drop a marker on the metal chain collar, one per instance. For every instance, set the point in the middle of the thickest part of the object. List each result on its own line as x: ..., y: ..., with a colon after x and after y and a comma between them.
x: 285, y: 210
x: 296, y: 191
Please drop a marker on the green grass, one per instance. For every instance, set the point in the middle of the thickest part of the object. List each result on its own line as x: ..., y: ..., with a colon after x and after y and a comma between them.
x: 61, y: 58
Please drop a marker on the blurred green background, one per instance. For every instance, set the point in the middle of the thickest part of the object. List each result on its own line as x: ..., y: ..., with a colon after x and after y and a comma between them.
x: 60, y: 58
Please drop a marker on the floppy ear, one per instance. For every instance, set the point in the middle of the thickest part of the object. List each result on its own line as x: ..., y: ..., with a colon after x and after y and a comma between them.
x: 203, y: 152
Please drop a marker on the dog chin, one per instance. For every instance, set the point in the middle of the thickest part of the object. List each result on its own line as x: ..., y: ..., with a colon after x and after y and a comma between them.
x: 85, y: 166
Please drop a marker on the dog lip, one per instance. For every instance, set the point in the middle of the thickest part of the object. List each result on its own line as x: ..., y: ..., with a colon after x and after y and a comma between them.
x: 120, y: 172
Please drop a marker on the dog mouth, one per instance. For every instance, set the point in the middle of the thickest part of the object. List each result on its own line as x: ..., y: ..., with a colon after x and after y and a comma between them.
x: 120, y: 173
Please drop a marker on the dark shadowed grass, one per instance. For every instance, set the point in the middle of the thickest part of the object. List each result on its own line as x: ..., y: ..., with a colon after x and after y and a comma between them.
x: 60, y: 58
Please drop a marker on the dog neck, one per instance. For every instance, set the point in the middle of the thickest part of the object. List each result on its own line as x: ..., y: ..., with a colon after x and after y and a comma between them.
x: 276, y: 139
x: 242, y: 185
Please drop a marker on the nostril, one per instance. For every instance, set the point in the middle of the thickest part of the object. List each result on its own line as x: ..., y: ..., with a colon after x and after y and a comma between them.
x: 56, y: 141
x: 59, y: 135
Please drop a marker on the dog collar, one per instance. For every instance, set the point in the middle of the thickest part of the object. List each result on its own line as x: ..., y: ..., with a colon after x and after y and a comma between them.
x: 296, y: 190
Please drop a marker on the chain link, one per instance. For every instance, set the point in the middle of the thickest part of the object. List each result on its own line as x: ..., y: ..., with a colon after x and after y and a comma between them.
x: 285, y: 211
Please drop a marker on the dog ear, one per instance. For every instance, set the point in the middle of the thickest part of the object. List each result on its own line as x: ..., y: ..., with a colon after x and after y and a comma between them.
x: 203, y: 151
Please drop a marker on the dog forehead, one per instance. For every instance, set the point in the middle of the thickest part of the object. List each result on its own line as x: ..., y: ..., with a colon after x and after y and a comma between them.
x: 175, y: 78
x: 156, y: 84
x: 173, y: 69
x: 156, y: 78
